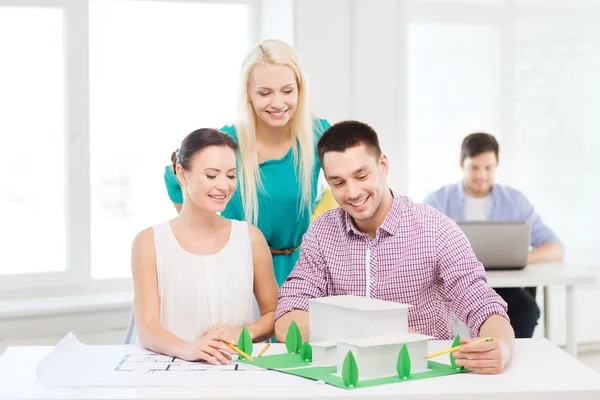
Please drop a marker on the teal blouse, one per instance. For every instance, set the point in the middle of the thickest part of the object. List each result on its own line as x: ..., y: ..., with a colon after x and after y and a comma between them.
x: 279, y: 216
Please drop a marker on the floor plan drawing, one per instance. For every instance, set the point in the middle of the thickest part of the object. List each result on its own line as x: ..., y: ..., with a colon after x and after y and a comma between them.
x: 152, y: 363
x: 74, y: 364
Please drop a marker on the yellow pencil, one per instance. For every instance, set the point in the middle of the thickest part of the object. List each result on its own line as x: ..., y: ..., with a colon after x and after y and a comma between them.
x: 453, y: 349
x: 240, y: 352
x: 264, y: 349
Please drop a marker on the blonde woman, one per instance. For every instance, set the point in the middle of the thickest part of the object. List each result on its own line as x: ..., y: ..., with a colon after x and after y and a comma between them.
x: 277, y: 165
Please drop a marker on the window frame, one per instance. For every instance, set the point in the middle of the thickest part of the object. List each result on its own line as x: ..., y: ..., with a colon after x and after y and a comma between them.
x: 502, y: 16
x: 77, y: 278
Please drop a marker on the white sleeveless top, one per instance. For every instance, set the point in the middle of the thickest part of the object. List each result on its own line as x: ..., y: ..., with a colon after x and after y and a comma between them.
x: 199, y: 291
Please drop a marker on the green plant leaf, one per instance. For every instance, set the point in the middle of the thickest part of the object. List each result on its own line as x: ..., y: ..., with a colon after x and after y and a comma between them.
x: 244, y: 343
x: 452, y: 359
x: 306, y: 352
x: 291, y: 339
x: 403, y: 365
x: 350, y: 370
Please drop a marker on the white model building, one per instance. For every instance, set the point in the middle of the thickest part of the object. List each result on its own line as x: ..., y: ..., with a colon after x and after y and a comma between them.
x: 345, y: 317
x: 373, y: 330
x: 325, y: 353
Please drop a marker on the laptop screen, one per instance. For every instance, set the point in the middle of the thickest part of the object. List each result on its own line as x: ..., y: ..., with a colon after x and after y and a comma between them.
x: 499, y: 244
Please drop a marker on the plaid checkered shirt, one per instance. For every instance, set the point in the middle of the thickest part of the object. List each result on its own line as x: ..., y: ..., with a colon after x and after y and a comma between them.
x: 418, y: 257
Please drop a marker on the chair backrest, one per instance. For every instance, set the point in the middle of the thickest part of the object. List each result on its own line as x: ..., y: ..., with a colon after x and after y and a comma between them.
x: 327, y: 202
x: 129, y: 334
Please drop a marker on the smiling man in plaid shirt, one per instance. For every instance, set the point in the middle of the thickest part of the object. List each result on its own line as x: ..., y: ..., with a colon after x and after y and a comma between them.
x: 382, y: 245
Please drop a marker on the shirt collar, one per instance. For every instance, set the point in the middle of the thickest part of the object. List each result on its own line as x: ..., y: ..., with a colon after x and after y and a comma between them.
x: 390, y: 223
x: 461, y: 191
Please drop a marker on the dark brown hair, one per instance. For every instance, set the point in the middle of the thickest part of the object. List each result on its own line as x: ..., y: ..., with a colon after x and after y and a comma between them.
x: 199, y: 140
x: 478, y: 143
x: 347, y: 134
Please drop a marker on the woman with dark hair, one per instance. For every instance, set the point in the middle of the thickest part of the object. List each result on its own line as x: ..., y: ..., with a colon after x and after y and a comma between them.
x: 194, y: 276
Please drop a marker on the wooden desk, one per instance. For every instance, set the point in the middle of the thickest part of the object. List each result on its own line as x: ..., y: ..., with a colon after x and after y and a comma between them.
x: 546, y: 275
x: 539, y: 369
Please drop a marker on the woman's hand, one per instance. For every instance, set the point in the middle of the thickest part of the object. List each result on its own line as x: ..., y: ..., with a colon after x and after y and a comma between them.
x: 209, y: 348
x: 227, y: 333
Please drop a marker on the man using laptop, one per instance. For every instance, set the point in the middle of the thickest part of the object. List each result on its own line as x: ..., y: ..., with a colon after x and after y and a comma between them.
x: 478, y: 198
x: 381, y: 245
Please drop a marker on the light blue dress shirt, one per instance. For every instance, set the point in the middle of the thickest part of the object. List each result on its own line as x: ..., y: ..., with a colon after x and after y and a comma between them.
x: 508, y: 204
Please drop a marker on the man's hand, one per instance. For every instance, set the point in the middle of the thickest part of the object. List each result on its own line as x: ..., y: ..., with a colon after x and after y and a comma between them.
x: 485, y: 357
x: 228, y: 333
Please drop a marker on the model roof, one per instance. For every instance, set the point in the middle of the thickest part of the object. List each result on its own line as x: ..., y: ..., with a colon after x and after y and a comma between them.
x: 386, y: 340
x: 360, y: 303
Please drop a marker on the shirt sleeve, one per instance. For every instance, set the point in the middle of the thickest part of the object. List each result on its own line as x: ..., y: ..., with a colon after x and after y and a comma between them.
x: 464, y: 281
x: 320, y: 125
x: 431, y: 200
x: 230, y: 130
x: 308, y: 279
x: 540, y: 232
x: 172, y: 184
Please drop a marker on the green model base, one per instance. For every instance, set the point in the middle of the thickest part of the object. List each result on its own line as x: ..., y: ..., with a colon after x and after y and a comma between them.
x: 294, y: 365
x: 278, y: 361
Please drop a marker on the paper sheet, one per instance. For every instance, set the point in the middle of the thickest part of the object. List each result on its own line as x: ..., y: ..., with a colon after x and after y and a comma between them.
x: 72, y: 363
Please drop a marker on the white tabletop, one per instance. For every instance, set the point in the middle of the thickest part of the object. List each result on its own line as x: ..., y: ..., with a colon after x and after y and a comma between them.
x: 544, y: 275
x: 539, y: 370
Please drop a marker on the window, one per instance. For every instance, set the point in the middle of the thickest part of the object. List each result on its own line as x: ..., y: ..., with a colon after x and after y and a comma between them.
x: 527, y: 75
x: 453, y: 75
x: 32, y: 140
x: 149, y: 87
x: 91, y: 112
x: 527, y: 72
x: 556, y: 120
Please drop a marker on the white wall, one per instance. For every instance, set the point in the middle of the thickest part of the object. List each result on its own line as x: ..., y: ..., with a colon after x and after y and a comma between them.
x: 91, y: 327
x: 276, y: 20
x: 353, y: 52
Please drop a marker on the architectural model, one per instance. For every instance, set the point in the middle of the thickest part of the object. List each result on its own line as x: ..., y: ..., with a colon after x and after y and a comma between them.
x: 373, y: 330
x: 357, y: 342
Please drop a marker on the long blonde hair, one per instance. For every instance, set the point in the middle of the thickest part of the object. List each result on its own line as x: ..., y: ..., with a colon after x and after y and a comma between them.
x: 274, y: 52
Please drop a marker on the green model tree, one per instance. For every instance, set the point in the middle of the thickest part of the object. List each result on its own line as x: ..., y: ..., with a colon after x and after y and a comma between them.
x: 350, y: 370
x: 452, y: 359
x: 244, y: 343
x: 293, y: 339
x: 306, y: 352
x: 403, y: 366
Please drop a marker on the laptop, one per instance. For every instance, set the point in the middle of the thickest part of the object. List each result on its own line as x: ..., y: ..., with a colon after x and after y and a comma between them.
x: 499, y: 244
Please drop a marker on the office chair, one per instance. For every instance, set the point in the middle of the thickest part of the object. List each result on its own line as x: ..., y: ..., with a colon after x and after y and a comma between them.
x: 130, y: 333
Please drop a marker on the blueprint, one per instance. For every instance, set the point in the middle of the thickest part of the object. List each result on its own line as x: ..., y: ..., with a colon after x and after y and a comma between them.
x: 151, y: 363
x: 74, y: 364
